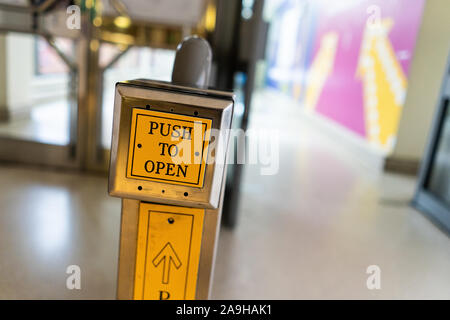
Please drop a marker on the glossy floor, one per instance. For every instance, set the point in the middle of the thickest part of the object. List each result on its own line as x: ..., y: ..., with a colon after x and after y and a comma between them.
x: 309, y: 231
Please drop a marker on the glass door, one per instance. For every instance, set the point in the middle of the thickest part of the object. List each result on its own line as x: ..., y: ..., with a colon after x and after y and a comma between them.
x: 57, y: 82
x: 38, y: 100
x: 433, y: 190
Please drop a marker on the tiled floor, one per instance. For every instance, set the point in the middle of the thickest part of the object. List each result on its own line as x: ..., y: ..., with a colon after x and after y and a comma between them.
x: 309, y: 231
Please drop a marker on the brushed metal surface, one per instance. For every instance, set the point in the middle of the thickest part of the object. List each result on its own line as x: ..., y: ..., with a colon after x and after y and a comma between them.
x: 127, y: 251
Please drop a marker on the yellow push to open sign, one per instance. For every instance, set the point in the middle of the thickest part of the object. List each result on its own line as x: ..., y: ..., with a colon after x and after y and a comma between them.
x: 167, y: 147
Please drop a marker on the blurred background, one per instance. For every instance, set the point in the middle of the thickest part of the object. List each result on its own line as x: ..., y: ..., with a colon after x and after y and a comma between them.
x: 357, y: 89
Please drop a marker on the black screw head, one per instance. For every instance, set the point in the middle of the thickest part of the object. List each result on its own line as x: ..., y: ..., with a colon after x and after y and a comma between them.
x: 171, y: 220
x: 139, y: 145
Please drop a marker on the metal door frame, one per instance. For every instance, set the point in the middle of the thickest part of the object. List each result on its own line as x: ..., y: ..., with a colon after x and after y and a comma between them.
x: 424, y: 200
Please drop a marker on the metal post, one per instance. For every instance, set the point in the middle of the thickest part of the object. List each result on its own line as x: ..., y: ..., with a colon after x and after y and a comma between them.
x: 190, y: 75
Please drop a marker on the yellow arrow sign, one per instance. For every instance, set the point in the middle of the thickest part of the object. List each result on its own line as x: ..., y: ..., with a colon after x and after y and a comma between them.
x: 168, y: 252
x: 168, y: 256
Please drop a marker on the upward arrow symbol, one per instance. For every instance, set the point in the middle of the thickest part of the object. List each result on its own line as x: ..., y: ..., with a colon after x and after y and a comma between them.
x: 168, y: 256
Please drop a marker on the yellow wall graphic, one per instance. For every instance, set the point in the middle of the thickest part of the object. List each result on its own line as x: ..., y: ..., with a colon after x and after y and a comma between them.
x: 321, y: 68
x: 384, y: 84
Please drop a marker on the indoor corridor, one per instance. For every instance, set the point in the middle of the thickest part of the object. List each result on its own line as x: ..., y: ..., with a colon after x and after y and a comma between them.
x: 309, y: 231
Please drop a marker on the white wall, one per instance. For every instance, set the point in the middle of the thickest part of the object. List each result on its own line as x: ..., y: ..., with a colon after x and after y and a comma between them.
x: 20, y: 70
x: 16, y: 74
